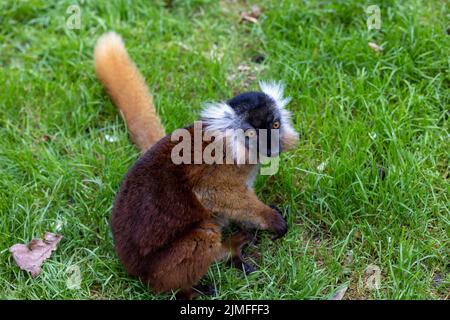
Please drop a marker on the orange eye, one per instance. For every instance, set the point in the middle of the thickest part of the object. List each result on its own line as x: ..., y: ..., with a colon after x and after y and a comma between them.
x: 251, y: 133
x: 276, y: 125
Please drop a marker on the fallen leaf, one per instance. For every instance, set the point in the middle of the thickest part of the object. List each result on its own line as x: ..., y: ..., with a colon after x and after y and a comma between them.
x: 339, y: 294
x: 248, y: 18
x: 251, y: 16
x: 375, y: 47
x: 31, y: 256
x: 45, y: 138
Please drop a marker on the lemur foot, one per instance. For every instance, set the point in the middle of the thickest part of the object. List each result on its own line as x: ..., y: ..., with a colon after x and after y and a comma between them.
x: 236, y: 243
x: 206, y: 289
x: 240, y: 264
x: 192, y: 293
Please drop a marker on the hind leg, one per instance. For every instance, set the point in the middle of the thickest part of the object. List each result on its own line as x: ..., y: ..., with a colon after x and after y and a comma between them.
x: 232, y: 249
x: 186, y: 261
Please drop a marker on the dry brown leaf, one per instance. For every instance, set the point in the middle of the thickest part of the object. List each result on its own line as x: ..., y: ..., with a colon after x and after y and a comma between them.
x: 31, y: 256
x: 251, y: 16
x: 375, y: 47
x: 339, y: 294
x: 45, y: 138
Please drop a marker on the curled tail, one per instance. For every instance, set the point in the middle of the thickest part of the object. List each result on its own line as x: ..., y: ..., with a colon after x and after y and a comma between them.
x: 128, y: 90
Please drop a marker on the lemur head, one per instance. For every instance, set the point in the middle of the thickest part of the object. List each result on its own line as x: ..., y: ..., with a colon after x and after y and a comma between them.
x: 251, y: 112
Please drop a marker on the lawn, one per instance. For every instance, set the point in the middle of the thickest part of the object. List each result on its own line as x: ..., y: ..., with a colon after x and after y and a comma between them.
x: 366, y: 192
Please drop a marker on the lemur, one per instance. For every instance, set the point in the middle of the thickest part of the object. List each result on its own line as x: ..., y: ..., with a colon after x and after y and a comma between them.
x: 168, y: 218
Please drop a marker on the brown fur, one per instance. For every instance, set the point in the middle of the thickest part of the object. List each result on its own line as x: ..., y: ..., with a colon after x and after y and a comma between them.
x: 128, y: 90
x: 167, y: 219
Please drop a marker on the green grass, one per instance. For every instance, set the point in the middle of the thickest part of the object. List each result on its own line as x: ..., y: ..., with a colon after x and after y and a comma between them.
x: 358, y: 113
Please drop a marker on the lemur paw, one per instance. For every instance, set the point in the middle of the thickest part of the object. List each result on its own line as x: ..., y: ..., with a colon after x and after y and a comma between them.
x: 278, y: 223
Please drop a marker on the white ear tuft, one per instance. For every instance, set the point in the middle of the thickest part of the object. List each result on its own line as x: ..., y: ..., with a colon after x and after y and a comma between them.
x: 275, y: 90
x: 218, y: 116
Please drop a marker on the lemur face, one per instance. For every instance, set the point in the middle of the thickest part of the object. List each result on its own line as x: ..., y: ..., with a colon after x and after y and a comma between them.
x: 253, y: 111
x: 256, y: 110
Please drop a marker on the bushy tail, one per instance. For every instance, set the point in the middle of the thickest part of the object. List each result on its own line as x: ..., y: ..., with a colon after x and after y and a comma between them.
x: 128, y: 90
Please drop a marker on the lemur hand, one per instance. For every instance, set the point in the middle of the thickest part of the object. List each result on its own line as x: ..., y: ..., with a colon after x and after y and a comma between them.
x: 277, y: 223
